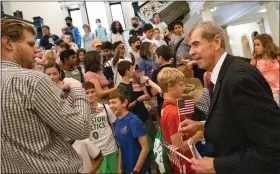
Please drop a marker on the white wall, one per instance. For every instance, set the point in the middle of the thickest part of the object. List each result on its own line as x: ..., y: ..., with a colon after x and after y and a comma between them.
x: 236, y: 32
x: 50, y: 11
x: 195, y: 19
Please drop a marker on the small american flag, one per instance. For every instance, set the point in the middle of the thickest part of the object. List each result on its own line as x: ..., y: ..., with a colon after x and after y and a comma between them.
x: 185, y: 107
x: 176, y: 157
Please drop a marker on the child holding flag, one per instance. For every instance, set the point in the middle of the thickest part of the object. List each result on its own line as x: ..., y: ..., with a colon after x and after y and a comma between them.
x: 171, y: 82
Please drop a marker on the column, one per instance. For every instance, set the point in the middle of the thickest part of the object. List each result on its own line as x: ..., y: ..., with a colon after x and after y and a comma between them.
x: 261, y: 25
x: 108, y: 13
x: 228, y: 46
x: 64, y: 9
x: 83, y: 12
x: 271, y: 20
x: 207, y: 14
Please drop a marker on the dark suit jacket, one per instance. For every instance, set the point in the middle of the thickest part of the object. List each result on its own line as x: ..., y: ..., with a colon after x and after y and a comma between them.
x: 243, y: 124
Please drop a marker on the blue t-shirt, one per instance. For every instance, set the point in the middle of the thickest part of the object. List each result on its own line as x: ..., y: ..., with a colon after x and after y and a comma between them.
x: 147, y: 66
x: 100, y: 32
x: 127, y: 130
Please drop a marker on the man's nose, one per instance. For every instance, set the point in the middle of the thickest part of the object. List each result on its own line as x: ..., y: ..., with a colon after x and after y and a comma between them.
x: 192, y: 51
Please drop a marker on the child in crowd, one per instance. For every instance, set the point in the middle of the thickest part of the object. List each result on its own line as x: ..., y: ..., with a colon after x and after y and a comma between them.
x: 178, y: 33
x: 118, y: 57
x: 107, y: 49
x: 94, y: 74
x: 147, y: 62
x: 68, y: 38
x: 87, y: 38
x: 49, y: 56
x: 116, y: 32
x: 137, y: 93
x: 163, y: 56
x: 60, y: 46
x: 132, y: 138
x: 100, y: 32
x: 68, y: 64
x: 101, y: 132
x: 81, y: 58
x: 90, y: 154
x: 96, y: 45
x: 53, y: 70
x: 171, y: 82
x: 149, y: 32
x: 158, y: 37
x: 134, y: 42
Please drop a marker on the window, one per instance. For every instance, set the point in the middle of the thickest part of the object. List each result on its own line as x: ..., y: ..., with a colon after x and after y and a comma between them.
x: 117, y: 13
x: 77, y: 19
x: 97, y: 10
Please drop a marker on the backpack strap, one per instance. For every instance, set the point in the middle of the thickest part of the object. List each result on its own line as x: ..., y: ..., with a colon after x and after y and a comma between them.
x: 81, y: 73
x: 132, y: 58
x: 113, y: 132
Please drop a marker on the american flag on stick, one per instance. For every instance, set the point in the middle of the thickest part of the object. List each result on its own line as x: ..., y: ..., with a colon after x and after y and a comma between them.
x: 176, y: 157
x: 185, y: 107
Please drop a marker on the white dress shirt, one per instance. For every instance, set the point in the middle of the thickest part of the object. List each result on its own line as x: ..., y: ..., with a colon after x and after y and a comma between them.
x: 217, y: 68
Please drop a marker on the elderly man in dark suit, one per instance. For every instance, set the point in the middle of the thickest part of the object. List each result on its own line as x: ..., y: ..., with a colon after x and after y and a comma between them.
x: 243, y: 122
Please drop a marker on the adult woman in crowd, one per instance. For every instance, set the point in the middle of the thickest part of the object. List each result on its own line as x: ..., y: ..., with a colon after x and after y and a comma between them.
x: 95, y: 75
x: 116, y: 32
x: 265, y: 59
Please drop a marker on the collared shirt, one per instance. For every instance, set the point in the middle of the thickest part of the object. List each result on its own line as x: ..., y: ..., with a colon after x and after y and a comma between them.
x: 35, y: 121
x: 217, y: 68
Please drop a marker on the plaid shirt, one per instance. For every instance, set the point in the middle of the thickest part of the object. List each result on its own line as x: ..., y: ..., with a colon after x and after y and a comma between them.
x: 35, y: 119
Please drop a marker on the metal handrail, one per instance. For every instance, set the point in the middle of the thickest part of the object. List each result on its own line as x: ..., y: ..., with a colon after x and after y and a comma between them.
x: 143, y: 18
x: 17, y: 18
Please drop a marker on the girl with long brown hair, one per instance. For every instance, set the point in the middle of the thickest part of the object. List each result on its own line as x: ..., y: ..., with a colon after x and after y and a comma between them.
x: 265, y: 59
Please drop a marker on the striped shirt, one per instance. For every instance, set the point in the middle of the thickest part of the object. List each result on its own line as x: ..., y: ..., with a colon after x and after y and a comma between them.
x: 35, y: 119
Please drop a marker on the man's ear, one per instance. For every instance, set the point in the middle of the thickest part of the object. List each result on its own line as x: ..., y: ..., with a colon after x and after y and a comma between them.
x: 7, y: 43
x: 218, y: 41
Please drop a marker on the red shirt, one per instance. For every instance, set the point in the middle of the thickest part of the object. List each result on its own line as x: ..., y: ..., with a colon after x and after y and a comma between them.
x: 169, y: 123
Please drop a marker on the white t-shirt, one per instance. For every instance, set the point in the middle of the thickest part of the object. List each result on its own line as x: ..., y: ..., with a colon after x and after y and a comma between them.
x: 87, y: 151
x: 154, y: 42
x: 117, y: 76
x: 161, y: 26
x: 101, y: 133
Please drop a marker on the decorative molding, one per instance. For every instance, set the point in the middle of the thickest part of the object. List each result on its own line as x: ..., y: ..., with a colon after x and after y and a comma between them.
x: 151, y: 7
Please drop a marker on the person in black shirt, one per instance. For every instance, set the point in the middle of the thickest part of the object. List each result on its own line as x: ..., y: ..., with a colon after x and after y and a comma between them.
x: 47, y: 42
x: 163, y: 58
x: 136, y: 30
x: 138, y: 93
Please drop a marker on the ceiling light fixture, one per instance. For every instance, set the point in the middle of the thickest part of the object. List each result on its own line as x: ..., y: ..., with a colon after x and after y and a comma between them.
x: 262, y: 11
x: 213, y: 9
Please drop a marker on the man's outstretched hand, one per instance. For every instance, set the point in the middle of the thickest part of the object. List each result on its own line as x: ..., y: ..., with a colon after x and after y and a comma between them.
x: 189, y: 126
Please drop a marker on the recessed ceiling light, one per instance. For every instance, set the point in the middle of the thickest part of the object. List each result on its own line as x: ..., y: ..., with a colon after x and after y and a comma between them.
x: 213, y: 9
x: 262, y: 11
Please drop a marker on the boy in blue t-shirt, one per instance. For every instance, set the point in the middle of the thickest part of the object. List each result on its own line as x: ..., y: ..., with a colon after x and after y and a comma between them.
x: 131, y: 135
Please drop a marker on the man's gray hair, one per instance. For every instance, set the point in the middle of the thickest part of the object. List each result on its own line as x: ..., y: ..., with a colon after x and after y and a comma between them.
x: 209, y: 30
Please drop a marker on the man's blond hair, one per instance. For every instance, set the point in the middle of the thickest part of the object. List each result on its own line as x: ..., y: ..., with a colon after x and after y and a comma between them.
x: 14, y: 29
x: 209, y: 30
x: 169, y: 76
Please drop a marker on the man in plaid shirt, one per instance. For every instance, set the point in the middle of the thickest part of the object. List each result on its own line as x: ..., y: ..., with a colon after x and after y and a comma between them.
x: 36, y: 118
